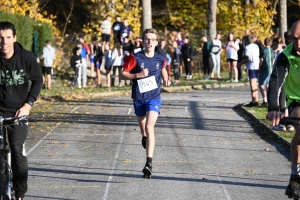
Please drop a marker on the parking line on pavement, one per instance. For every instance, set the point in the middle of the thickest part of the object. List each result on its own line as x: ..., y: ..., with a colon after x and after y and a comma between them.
x: 39, y: 142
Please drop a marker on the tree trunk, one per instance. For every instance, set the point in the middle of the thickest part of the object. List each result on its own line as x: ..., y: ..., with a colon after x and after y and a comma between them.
x: 283, y: 19
x: 212, y: 16
x: 147, y: 14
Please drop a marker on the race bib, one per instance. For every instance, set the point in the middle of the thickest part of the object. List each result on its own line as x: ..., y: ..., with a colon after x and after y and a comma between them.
x: 147, y: 84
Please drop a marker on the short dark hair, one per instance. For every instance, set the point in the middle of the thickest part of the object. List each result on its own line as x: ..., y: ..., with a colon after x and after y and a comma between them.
x: 6, y: 25
x: 48, y: 41
x: 75, y: 49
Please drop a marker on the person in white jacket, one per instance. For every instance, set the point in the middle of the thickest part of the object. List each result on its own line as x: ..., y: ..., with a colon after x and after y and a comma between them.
x: 48, y: 56
x: 117, y: 62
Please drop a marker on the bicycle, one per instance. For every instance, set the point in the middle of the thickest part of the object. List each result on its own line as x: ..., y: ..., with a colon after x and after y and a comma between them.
x: 6, y: 175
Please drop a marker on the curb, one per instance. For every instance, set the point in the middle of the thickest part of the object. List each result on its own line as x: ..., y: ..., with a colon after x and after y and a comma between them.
x: 280, y: 138
x: 203, y: 86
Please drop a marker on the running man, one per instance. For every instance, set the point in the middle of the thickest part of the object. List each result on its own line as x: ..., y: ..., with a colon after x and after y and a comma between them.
x: 286, y: 73
x: 145, y: 69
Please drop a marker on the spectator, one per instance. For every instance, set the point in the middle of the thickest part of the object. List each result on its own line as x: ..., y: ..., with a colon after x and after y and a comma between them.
x: 180, y: 43
x: 187, y: 52
x: 240, y: 58
x: 85, y: 52
x: 126, y: 31
x: 117, y: 62
x: 98, y: 61
x: 266, y: 69
x: 252, y: 63
x: 216, y: 50
x: 117, y: 27
x: 75, y: 63
x: 48, y: 56
x: 92, y: 56
x: 176, y: 61
x: 108, y: 64
x: 206, y: 46
x: 138, y: 45
x: 232, y: 57
x: 105, y: 29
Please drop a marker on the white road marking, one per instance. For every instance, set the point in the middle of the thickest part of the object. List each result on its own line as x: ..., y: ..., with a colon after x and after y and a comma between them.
x: 105, y: 196
x: 37, y: 144
x: 186, y: 109
x: 224, y: 188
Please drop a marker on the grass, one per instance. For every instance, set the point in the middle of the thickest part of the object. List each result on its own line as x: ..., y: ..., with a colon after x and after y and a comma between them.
x: 260, y: 113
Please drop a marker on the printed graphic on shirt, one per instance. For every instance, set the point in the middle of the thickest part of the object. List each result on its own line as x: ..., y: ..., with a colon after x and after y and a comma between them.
x: 17, y: 77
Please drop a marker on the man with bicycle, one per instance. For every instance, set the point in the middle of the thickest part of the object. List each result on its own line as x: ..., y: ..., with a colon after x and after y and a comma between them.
x: 286, y: 74
x: 18, y: 67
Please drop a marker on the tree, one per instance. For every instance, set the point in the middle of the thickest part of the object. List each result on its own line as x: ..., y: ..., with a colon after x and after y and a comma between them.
x: 147, y: 16
x: 283, y: 18
x: 212, y: 18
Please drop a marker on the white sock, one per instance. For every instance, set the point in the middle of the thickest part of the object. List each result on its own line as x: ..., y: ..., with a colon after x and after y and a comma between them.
x: 295, y: 169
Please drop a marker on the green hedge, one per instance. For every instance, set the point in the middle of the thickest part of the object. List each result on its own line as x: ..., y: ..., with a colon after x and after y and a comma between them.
x: 44, y: 33
x: 25, y: 30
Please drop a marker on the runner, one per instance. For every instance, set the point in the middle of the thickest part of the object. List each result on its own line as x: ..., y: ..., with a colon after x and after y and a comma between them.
x: 286, y: 73
x: 145, y: 69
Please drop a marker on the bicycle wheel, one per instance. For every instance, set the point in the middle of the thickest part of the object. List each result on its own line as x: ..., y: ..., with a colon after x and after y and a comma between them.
x: 3, y: 178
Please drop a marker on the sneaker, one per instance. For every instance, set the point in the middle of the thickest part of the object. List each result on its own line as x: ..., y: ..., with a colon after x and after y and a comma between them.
x: 279, y: 127
x: 79, y: 86
x: 234, y: 81
x: 73, y: 86
x: 120, y: 85
x: 147, y: 170
x: 204, y: 77
x: 84, y: 86
x: 293, y: 188
x: 99, y: 85
x: 207, y: 77
x: 144, y: 142
x: 290, y: 127
x: 251, y: 104
x: 264, y: 104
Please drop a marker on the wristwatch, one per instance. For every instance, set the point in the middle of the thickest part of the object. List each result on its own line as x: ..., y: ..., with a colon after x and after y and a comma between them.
x: 30, y: 102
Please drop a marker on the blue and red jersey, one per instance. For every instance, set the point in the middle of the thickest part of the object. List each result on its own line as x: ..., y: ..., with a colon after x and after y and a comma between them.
x: 136, y: 63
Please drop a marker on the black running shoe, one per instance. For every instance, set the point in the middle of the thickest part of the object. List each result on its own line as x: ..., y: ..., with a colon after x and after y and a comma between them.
x: 147, y: 170
x: 293, y: 189
x: 144, y: 142
x: 251, y: 104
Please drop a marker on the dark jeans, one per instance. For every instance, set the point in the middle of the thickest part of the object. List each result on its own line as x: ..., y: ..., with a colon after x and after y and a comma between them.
x: 188, y: 66
x: 115, y: 68
x: 206, y: 67
x: 176, y: 72
x: 240, y: 70
x: 17, y: 136
x: 74, y: 82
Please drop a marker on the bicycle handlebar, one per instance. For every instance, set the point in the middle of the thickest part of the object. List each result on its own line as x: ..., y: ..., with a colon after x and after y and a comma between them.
x: 22, y: 117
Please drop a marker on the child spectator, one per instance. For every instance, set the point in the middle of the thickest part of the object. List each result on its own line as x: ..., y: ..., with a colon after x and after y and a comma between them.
x: 98, y: 62
x: 117, y: 62
x: 108, y: 64
x: 176, y: 61
x: 266, y: 69
x: 75, y: 63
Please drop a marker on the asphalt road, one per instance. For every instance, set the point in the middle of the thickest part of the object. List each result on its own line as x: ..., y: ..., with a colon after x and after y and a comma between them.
x: 205, y: 149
